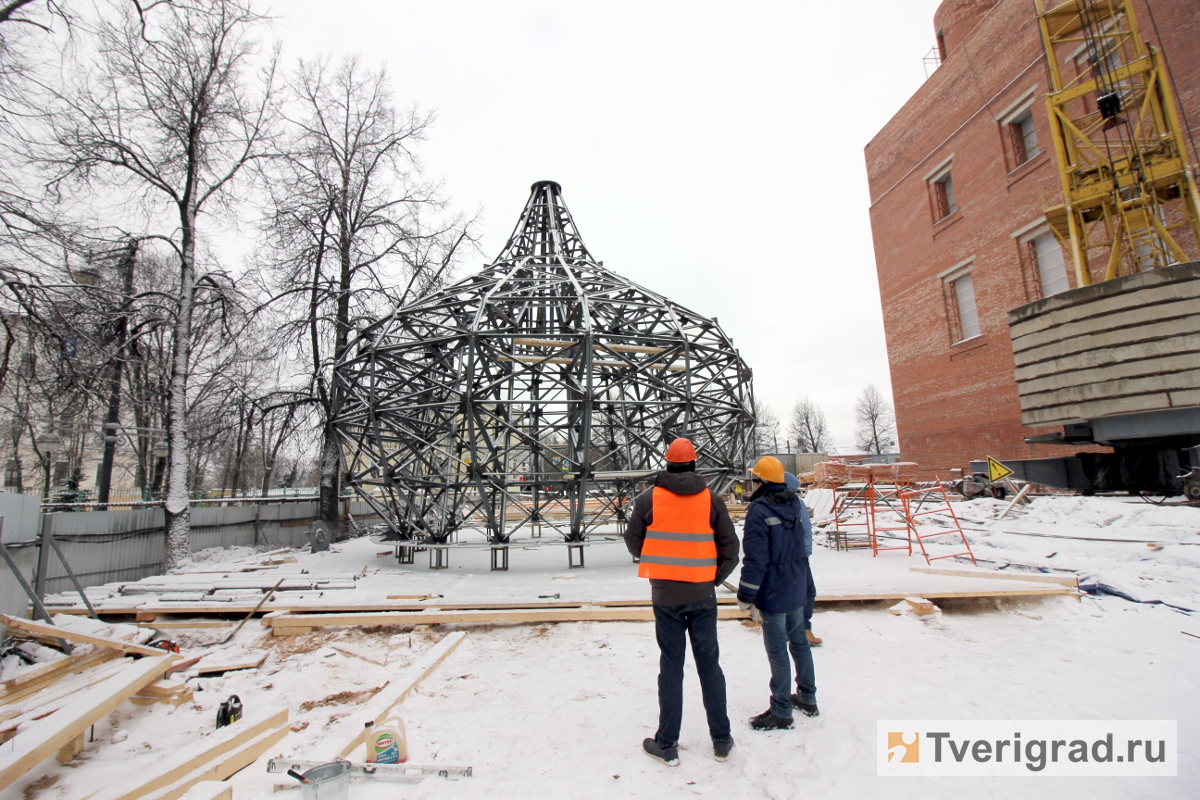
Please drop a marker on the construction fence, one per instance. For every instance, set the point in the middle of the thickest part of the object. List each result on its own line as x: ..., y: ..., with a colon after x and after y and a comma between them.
x: 127, y: 545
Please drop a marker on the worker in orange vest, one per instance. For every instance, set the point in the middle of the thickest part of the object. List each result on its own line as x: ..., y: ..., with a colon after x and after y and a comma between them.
x: 684, y: 539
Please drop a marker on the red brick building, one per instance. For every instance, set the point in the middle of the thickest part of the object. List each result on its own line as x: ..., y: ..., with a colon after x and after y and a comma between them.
x: 959, y: 178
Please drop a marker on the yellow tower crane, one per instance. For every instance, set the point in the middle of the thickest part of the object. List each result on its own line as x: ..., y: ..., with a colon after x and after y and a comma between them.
x: 1129, y: 189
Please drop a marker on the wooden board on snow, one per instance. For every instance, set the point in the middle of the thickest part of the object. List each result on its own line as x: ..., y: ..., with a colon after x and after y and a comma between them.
x: 58, y: 632
x: 218, y: 664
x: 214, y: 757
x: 45, y: 737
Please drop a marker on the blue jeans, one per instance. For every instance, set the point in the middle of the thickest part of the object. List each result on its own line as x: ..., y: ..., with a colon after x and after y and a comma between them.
x: 672, y: 626
x: 781, y: 633
x: 810, y: 599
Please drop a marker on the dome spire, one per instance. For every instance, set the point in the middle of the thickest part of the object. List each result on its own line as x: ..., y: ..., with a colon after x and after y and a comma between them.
x: 545, y: 230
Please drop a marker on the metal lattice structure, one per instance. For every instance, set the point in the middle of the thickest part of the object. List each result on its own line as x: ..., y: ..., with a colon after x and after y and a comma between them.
x: 537, y: 393
x: 1129, y: 191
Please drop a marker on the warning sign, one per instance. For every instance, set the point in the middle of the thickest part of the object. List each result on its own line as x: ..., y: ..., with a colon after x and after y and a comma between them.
x: 997, y: 471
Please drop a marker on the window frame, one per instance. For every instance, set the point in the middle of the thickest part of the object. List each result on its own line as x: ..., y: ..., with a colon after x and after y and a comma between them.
x: 1016, y: 154
x: 941, y: 200
x: 1025, y: 238
x: 950, y: 297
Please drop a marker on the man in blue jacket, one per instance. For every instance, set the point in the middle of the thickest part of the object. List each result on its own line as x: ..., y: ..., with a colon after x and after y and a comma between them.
x: 776, y: 544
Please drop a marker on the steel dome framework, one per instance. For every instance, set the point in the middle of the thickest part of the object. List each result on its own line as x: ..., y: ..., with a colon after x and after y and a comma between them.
x: 538, y: 392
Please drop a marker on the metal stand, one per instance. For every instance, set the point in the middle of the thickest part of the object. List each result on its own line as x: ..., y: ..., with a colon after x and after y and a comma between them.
x: 439, y: 558
x: 500, y: 558
x: 572, y: 551
x: 404, y: 553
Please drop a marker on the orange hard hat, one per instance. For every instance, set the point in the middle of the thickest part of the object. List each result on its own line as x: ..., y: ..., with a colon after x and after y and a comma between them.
x: 769, y: 469
x: 681, y: 452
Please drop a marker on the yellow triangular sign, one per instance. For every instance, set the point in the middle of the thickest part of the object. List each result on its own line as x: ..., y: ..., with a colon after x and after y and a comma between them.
x: 997, y: 471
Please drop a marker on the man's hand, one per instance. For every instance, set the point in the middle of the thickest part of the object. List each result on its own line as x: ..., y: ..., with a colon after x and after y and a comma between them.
x: 755, y: 614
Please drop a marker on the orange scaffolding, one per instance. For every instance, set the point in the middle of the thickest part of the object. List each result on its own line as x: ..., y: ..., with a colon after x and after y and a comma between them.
x: 887, y: 508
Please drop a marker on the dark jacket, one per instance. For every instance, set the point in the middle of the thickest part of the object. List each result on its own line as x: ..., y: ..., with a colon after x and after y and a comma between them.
x: 775, y: 570
x: 680, y: 593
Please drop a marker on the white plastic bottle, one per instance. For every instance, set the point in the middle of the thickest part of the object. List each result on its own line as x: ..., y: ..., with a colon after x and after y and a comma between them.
x: 387, y: 743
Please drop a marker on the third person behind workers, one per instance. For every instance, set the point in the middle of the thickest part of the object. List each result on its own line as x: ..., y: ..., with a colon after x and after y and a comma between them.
x: 776, y: 542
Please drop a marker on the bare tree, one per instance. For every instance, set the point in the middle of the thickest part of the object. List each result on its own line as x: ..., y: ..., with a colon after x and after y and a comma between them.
x: 766, y: 429
x: 875, y: 428
x: 165, y: 113
x: 808, y: 427
x: 349, y: 232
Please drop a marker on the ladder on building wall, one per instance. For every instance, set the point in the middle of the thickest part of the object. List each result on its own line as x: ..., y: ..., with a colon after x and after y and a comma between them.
x: 926, y: 502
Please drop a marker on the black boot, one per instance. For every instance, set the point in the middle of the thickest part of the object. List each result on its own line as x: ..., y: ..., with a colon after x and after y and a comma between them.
x: 809, y: 709
x: 722, y: 749
x: 667, y: 755
x: 767, y: 721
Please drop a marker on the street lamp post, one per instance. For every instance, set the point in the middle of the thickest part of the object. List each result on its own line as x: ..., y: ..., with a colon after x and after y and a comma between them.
x: 47, y: 444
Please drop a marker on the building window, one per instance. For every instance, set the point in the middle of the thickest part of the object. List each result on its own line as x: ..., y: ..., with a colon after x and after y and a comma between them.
x: 1022, y: 138
x: 1051, y: 267
x: 28, y: 365
x: 942, y: 188
x: 941, y: 46
x: 12, y: 472
x: 964, y: 303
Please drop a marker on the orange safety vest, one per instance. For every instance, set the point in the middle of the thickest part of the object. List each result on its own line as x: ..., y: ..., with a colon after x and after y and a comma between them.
x: 679, y: 543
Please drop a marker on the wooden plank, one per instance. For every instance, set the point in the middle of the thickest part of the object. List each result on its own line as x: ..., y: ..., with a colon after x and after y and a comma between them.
x: 44, y: 737
x: 216, y: 665
x: 1032, y: 591
x: 365, y: 654
x: 1035, y: 577
x: 186, y: 624
x: 177, y: 766
x: 36, y: 679
x: 52, y: 698
x: 286, y: 625
x: 69, y: 750
x: 42, y: 629
x: 1020, y: 496
x: 210, y: 790
x: 164, y: 688
x: 225, y: 767
x: 174, y: 701
x: 349, y: 729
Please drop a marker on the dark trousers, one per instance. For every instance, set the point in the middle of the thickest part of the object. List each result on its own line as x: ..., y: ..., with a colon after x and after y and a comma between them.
x: 810, y: 599
x: 673, y: 626
x: 784, y: 634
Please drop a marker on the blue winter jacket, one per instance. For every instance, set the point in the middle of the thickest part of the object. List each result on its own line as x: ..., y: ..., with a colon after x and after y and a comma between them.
x: 776, y: 543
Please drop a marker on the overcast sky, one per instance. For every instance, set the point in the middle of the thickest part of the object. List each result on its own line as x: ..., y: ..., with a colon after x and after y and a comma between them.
x: 712, y: 152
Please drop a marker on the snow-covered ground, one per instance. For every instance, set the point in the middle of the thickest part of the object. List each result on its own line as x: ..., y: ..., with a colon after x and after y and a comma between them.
x: 560, y: 709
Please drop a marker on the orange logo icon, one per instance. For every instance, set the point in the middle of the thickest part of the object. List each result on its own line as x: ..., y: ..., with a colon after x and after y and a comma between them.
x: 903, y: 747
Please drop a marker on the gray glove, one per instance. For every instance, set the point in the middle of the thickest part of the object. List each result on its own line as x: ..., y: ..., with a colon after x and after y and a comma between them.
x: 755, y: 614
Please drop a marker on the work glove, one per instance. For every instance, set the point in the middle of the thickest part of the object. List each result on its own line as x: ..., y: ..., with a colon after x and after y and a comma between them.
x: 755, y: 614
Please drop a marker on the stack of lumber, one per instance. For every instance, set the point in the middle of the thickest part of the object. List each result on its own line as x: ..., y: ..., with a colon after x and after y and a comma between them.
x: 832, y: 473
x: 211, y: 590
x: 46, y: 709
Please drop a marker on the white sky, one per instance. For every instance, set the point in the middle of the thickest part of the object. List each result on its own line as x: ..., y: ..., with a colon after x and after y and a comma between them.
x: 708, y: 151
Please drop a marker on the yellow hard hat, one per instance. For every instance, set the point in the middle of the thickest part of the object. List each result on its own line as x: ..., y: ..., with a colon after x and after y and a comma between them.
x: 769, y: 469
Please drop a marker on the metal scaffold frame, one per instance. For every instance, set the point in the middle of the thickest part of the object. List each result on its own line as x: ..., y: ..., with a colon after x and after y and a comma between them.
x: 535, y: 394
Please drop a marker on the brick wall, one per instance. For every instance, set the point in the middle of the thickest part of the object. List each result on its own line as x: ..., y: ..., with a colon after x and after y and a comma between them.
x: 957, y: 401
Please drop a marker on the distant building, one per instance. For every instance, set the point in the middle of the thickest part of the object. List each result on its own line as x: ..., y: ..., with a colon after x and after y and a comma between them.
x: 959, y: 178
